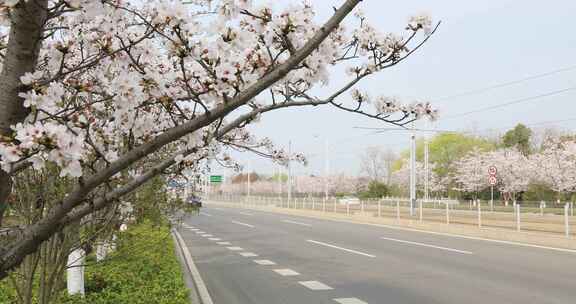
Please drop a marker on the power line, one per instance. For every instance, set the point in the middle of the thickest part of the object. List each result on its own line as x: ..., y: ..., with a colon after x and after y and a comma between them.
x: 503, y: 84
x: 383, y: 130
x: 516, y: 101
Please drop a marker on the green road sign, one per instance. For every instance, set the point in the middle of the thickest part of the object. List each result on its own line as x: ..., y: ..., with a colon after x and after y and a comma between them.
x: 215, y: 178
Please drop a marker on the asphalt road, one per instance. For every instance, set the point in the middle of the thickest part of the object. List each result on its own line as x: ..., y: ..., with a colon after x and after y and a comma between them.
x: 323, y: 261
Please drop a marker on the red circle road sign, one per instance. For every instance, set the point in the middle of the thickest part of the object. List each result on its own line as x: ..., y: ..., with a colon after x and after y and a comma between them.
x: 492, y: 171
x: 492, y: 180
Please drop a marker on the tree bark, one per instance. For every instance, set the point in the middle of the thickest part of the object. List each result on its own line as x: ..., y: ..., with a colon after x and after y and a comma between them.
x: 27, y: 25
x: 34, y: 235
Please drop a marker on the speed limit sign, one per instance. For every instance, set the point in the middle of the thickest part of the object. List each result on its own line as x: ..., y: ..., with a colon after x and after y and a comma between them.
x: 492, y: 180
x: 492, y: 171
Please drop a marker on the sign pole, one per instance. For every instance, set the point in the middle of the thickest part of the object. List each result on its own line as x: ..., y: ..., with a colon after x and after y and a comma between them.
x: 492, y: 198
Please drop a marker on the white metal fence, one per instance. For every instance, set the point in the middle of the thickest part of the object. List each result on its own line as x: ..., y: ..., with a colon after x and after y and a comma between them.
x: 552, y: 217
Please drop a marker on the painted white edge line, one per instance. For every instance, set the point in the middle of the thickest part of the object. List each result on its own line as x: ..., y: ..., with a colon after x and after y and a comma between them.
x: 565, y: 250
x: 341, y: 248
x: 297, y: 223
x: 243, y: 224
x: 475, y: 238
x: 427, y: 245
x: 198, y: 281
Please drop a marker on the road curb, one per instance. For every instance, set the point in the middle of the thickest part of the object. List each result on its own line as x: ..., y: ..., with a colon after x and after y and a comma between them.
x: 201, y: 289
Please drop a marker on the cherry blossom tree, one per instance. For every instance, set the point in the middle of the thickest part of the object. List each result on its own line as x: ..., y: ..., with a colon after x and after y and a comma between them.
x: 471, y: 172
x: 555, y: 165
x: 514, y: 170
x: 98, y: 88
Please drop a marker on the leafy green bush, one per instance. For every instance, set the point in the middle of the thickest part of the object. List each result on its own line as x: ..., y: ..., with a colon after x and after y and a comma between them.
x: 375, y: 190
x: 7, y: 293
x: 143, y: 269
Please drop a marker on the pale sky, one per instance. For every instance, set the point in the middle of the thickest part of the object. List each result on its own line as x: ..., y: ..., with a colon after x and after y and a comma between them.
x: 479, y: 44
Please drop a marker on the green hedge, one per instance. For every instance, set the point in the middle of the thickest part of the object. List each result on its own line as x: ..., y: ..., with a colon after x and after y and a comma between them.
x: 7, y: 294
x: 143, y: 269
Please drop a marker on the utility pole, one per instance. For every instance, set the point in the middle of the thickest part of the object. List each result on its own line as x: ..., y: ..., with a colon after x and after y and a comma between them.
x: 412, y: 170
x: 207, y: 178
x: 289, y: 171
x: 279, y: 176
x: 426, y: 166
x: 326, y: 169
x: 248, y: 179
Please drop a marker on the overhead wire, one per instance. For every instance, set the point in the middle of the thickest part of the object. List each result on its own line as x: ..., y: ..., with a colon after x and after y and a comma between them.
x: 503, y: 84
x: 508, y: 103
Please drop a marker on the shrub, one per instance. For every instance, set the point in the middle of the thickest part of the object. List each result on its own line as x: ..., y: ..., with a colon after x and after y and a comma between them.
x: 143, y: 269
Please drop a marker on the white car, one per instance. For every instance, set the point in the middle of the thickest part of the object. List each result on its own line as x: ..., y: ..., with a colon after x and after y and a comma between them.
x: 348, y: 200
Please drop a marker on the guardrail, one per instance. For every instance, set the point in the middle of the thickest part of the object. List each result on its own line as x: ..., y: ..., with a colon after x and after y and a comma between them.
x: 553, y: 218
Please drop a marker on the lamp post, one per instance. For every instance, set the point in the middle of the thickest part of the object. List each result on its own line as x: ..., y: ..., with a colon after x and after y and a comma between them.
x: 412, y: 170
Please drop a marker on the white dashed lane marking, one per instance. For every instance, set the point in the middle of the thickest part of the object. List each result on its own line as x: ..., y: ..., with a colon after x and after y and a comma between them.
x: 243, y: 224
x: 349, y: 301
x: 264, y: 262
x: 315, y: 285
x: 235, y: 248
x: 248, y: 254
x: 342, y: 248
x: 206, y: 214
x: 286, y: 272
x: 200, y: 232
x: 215, y: 239
x: 297, y: 223
x: 223, y: 243
x: 427, y: 245
x: 207, y: 235
x: 246, y: 213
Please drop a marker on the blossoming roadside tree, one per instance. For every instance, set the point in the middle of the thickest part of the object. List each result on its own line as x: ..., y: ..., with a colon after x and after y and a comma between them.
x: 98, y: 87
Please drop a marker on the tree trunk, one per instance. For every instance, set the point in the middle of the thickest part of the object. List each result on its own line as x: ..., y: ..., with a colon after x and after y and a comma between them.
x: 27, y: 25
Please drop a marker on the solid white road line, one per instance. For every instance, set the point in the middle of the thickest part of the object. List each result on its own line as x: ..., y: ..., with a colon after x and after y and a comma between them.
x: 223, y: 243
x: 215, y: 239
x: 315, y: 285
x: 286, y: 272
x: 235, y: 248
x: 342, y: 248
x: 206, y: 214
x: 197, y: 278
x: 297, y: 223
x: 243, y: 224
x: 246, y: 213
x: 264, y: 262
x: 427, y: 245
x: 349, y: 301
x: 248, y: 254
x: 475, y: 238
